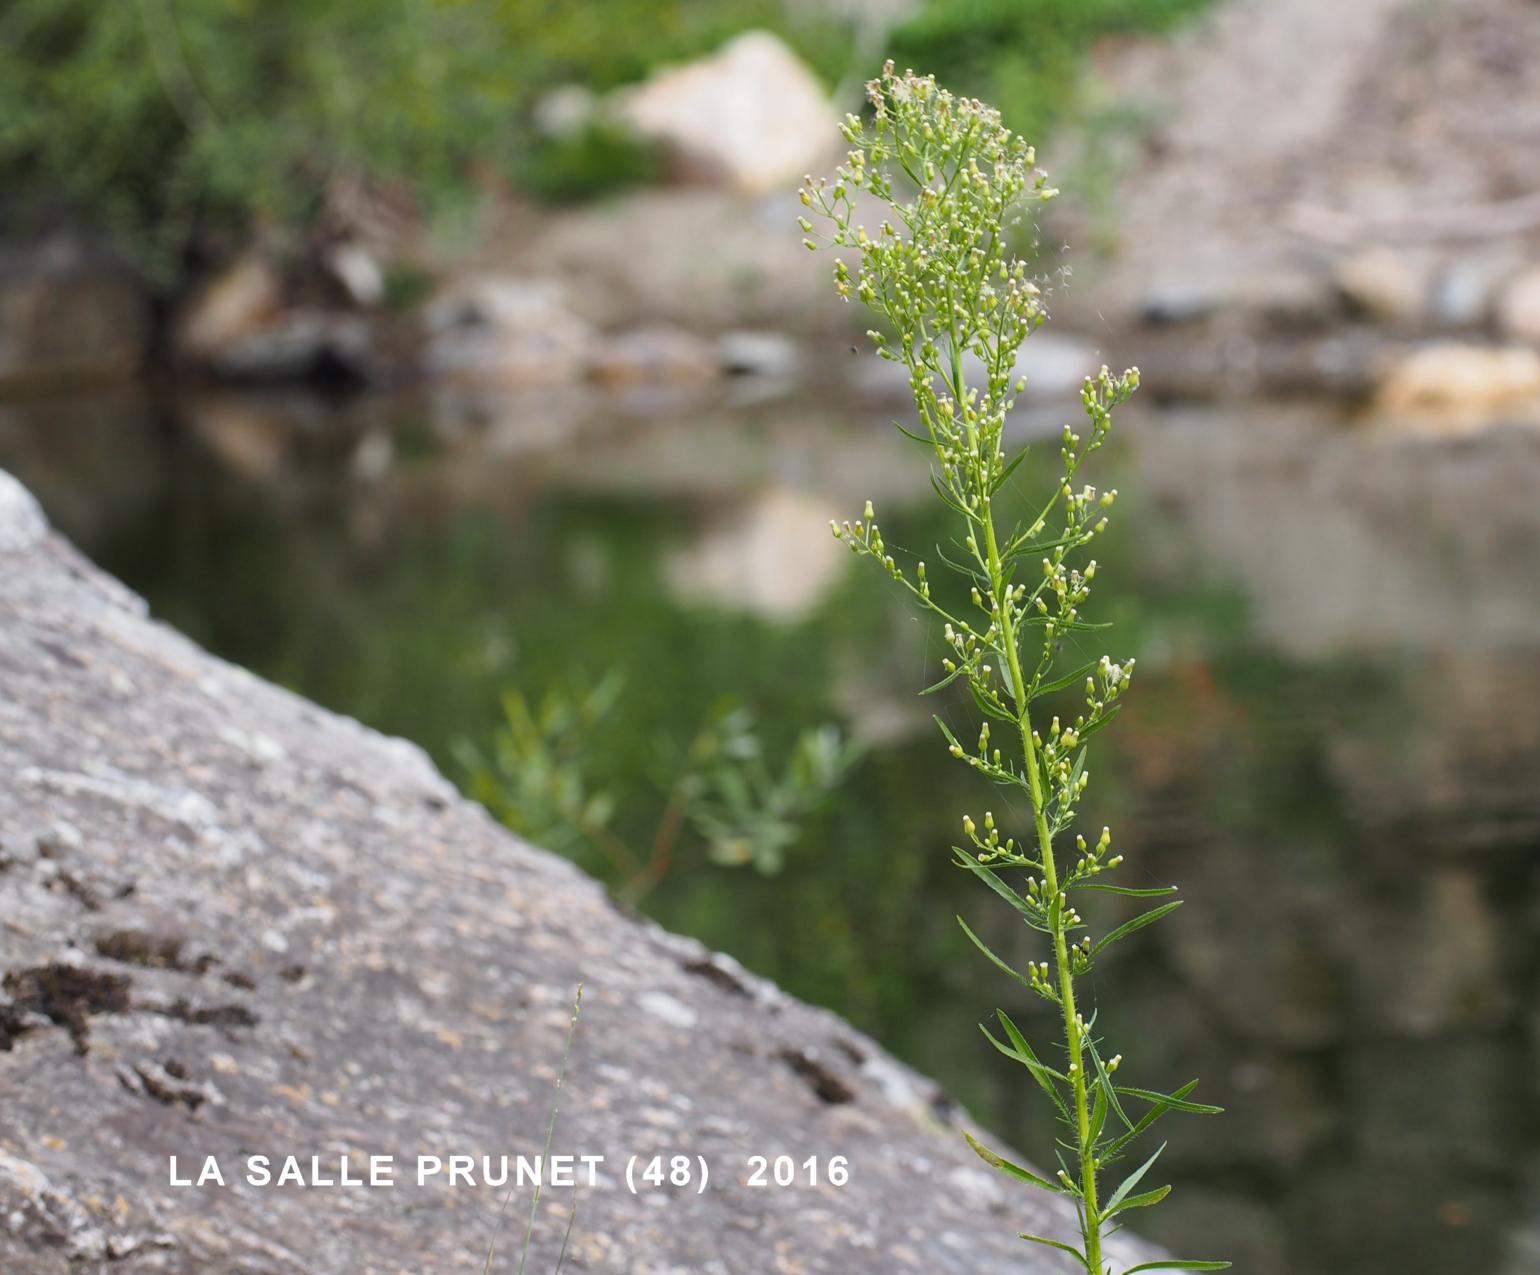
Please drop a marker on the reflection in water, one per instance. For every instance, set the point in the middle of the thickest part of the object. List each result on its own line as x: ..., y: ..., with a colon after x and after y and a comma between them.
x: 769, y: 552
x: 1334, y: 745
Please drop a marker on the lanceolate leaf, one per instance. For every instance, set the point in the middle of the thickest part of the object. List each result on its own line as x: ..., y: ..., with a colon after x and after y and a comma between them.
x: 1173, y: 1101
x: 1069, y: 679
x: 947, y: 499
x: 1100, y: 724
x: 909, y: 433
x: 945, y: 681
x: 1104, y: 1084
x: 947, y: 731
x: 994, y: 960
x: 1178, y: 1266
x: 1005, y: 676
x: 962, y: 568
x: 1153, y: 893
x: 1129, y: 1183
x: 1063, y: 1248
x: 1141, y: 1201
x: 1147, y: 1119
x: 993, y: 881
x: 1005, y: 474
x: 1138, y: 923
x: 985, y: 707
x: 1014, y: 1033
x: 1098, y: 1114
x: 1005, y: 1166
x: 1044, y: 1075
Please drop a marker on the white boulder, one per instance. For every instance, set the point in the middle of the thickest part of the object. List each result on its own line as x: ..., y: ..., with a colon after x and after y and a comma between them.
x: 751, y: 117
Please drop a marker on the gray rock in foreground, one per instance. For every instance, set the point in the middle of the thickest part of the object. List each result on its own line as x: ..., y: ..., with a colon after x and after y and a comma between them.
x: 234, y: 924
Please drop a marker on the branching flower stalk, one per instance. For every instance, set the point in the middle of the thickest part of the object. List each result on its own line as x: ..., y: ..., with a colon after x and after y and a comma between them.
x: 949, y: 178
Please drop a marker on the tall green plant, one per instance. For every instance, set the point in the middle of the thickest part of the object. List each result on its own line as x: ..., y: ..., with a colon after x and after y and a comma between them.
x: 949, y: 178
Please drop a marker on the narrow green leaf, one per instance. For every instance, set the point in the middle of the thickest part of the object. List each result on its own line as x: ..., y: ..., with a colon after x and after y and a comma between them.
x: 985, y: 707
x: 1100, y: 723
x: 1010, y: 469
x: 1044, y: 1073
x: 1178, y: 1266
x: 1005, y: 1166
x: 1130, y: 1182
x: 1014, y: 1033
x: 993, y: 959
x: 1154, y: 893
x: 1173, y: 1101
x: 909, y: 433
x: 1005, y: 677
x: 1008, y: 1050
x: 947, y: 499
x: 1104, y: 1082
x: 1020, y: 1051
x: 1068, y: 680
x: 1098, y: 1114
x: 947, y: 731
x: 1147, y: 1119
x: 944, y: 682
x: 993, y: 881
x: 1138, y: 923
x: 1063, y: 1248
x: 970, y: 572
x: 1020, y: 548
x: 1141, y: 1201
x: 1078, y: 769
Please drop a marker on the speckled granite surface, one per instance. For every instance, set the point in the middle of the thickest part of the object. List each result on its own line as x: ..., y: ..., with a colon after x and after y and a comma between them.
x: 234, y: 924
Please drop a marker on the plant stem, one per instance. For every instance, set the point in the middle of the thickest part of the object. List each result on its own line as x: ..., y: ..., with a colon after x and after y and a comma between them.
x: 1066, y: 978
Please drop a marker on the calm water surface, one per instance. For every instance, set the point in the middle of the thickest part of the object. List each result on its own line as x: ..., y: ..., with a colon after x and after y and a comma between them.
x: 1333, y: 744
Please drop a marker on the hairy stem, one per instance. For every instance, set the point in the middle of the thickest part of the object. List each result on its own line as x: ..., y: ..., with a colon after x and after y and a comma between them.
x: 1066, y: 979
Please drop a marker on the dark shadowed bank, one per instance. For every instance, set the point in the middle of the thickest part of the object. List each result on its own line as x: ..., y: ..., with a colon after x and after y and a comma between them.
x: 234, y: 924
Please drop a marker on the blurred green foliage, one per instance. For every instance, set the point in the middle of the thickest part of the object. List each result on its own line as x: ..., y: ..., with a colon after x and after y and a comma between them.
x: 719, y: 792
x: 160, y: 118
x: 1024, y: 57
x: 156, y: 116
x: 600, y: 156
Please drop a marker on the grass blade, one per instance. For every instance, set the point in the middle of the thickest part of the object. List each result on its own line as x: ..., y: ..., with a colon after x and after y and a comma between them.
x: 550, y: 1134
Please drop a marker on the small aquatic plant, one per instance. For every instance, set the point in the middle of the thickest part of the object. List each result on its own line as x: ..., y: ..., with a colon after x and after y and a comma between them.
x: 948, y: 179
